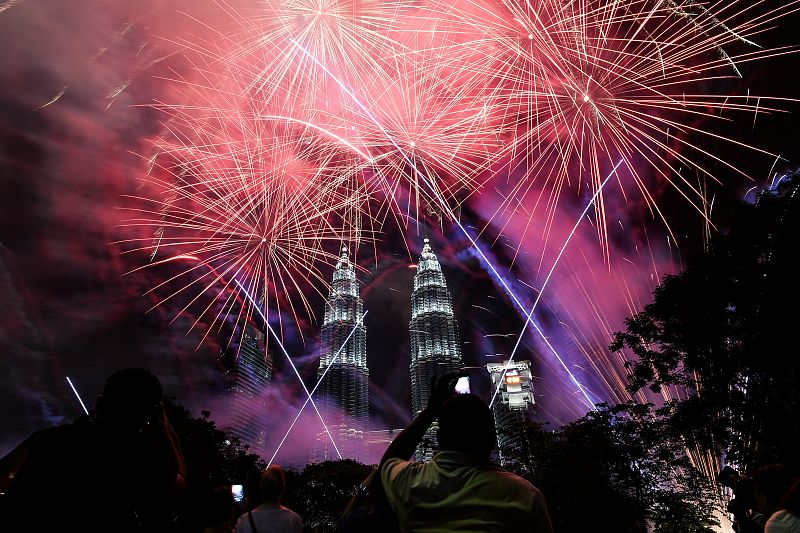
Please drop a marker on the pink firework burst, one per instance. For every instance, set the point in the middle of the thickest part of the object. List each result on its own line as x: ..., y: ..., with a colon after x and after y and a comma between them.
x: 246, y: 196
x: 348, y: 111
x: 585, y: 84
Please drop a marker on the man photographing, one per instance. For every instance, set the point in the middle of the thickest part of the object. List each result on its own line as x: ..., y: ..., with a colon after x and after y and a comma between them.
x: 118, y: 471
x: 459, y: 490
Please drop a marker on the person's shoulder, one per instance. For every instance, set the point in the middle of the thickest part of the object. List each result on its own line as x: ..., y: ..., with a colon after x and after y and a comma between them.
x: 512, y: 479
x: 394, y: 466
x: 394, y: 461
x: 783, y: 522
x: 59, y: 432
x: 288, y: 511
x: 291, y: 519
x: 238, y: 526
x: 59, y: 439
x: 243, y: 522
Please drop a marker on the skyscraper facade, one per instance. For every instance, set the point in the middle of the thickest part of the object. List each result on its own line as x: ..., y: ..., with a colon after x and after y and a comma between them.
x: 434, y: 338
x: 242, y: 409
x: 344, y: 389
x: 513, y: 404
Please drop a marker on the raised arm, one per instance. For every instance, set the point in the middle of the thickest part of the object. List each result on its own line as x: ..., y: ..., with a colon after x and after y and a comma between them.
x: 403, y: 446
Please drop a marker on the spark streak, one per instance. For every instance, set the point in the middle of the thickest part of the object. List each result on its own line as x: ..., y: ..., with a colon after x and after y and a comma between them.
x: 78, y: 396
x: 319, y: 381
x: 529, y: 314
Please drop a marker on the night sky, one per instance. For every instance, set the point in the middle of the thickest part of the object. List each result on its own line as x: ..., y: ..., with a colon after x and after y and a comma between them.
x: 69, y: 308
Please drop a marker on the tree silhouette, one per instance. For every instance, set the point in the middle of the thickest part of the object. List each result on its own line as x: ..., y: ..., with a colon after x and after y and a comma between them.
x: 321, y: 491
x: 617, y: 469
x: 213, y: 458
x: 725, y: 330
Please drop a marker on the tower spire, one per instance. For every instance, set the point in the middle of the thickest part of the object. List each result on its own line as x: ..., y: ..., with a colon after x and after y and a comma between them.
x: 344, y: 258
x: 344, y: 387
x: 434, y: 337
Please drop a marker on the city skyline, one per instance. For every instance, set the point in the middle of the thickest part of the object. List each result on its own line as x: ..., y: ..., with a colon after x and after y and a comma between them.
x: 242, y: 406
x: 343, y: 373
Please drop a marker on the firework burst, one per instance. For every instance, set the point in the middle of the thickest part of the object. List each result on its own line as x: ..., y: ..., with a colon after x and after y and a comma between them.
x: 314, y: 122
x: 585, y: 83
x: 254, y: 197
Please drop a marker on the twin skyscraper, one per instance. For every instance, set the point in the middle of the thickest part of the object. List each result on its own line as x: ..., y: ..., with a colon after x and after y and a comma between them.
x: 343, y: 392
x: 343, y: 372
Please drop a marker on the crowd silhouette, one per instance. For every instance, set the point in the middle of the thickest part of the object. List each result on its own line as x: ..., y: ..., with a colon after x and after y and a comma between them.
x: 122, y: 469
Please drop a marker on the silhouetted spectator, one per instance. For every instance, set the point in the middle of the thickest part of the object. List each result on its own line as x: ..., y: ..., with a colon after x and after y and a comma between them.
x: 219, y: 507
x: 778, y: 495
x: 116, y: 472
x: 270, y: 516
x: 459, y: 490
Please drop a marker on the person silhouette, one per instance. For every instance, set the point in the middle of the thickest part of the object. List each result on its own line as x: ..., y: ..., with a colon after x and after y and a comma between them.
x: 115, y: 472
x: 270, y: 516
x: 459, y: 490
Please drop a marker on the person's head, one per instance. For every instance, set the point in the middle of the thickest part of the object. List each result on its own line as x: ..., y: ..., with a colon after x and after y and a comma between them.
x: 218, y: 506
x: 466, y: 425
x: 130, y: 397
x: 771, y: 482
x: 272, y: 484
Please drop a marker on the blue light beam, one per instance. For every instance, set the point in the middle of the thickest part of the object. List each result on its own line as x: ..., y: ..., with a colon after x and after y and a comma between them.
x: 529, y: 316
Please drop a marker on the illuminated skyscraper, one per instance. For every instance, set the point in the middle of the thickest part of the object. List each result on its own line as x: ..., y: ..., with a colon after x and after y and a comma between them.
x: 512, y: 407
x: 434, y: 338
x: 344, y: 390
x: 242, y: 410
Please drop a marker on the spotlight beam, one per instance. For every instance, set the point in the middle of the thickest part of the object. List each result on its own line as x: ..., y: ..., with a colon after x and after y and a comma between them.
x: 85, y: 410
x: 319, y: 381
x: 544, y: 285
x: 291, y: 363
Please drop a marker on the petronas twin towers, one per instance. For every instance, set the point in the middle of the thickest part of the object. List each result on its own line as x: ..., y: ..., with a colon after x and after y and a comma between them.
x: 434, y: 339
x: 343, y: 368
x: 343, y: 393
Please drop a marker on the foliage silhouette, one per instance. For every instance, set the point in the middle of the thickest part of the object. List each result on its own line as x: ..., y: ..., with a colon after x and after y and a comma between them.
x: 724, y: 330
x: 617, y: 469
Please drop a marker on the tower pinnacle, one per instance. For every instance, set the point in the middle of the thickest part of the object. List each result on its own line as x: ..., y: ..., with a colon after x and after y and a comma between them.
x: 343, y: 367
x: 434, y: 337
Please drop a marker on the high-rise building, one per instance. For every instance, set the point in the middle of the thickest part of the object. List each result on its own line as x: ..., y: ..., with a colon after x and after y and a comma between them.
x: 344, y: 389
x: 434, y: 339
x: 242, y: 409
x: 513, y: 402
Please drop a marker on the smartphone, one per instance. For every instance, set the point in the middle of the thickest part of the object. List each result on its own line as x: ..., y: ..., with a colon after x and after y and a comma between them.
x: 462, y: 385
x: 238, y: 492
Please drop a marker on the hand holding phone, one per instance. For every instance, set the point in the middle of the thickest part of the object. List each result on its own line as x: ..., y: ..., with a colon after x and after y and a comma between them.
x: 441, y: 390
